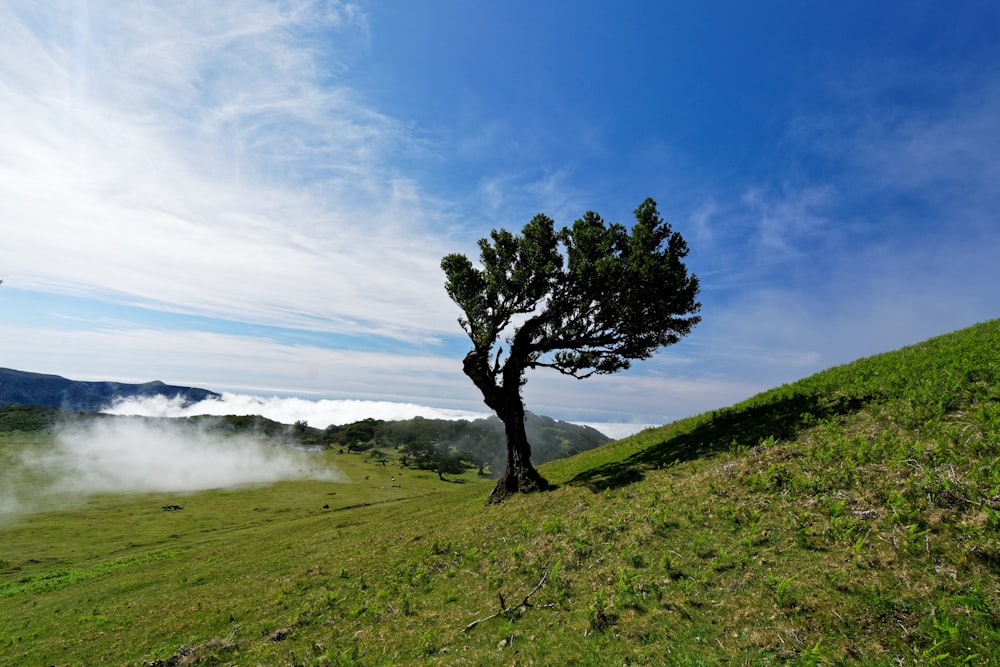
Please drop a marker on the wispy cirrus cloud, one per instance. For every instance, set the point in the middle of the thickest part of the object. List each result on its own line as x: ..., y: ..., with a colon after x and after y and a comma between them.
x: 785, y: 220
x: 880, y: 230
x: 203, y: 158
x: 929, y: 133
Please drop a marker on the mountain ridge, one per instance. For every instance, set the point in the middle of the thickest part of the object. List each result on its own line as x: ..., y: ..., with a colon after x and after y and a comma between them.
x: 55, y: 391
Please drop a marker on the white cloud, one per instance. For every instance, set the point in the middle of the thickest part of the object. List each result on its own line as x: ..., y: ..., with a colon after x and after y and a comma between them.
x: 784, y: 220
x: 618, y: 431
x: 195, y: 158
x: 925, y: 139
x: 703, y: 220
x: 287, y: 410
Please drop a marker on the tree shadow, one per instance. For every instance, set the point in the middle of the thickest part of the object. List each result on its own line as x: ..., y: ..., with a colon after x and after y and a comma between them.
x: 745, y: 425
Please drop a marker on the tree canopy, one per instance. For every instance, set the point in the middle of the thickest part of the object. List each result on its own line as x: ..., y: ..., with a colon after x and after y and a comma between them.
x: 582, y: 300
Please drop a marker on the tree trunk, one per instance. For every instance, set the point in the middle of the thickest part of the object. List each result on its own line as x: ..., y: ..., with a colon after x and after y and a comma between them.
x: 519, y: 476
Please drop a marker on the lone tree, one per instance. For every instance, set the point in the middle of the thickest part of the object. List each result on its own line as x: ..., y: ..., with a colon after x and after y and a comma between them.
x: 583, y: 300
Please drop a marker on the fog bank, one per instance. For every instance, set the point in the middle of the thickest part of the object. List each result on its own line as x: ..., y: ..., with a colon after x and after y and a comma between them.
x: 287, y: 410
x: 137, y: 456
x: 318, y: 413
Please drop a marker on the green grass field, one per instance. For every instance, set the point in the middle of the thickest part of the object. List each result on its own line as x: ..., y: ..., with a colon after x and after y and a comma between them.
x: 852, y: 517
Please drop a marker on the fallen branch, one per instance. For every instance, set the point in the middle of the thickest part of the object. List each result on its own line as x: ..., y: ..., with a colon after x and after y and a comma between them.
x: 518, y: 608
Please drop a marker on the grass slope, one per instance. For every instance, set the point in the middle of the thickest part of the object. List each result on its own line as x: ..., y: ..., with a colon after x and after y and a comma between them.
x: 851, y: 517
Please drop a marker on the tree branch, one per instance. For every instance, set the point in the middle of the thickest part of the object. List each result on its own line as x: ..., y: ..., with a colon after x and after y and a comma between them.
x: 520, y: 607
x: 566, y: 371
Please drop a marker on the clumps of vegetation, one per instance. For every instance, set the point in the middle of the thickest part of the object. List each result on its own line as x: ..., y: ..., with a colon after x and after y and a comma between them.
x: 451, y: 446
x: 444, y: 446
x: 27, y: 418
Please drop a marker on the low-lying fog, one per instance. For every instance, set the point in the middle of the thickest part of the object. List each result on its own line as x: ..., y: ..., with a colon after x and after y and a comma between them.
x: 286, y: 410
x: 318, y: 413
x: 137, y: 455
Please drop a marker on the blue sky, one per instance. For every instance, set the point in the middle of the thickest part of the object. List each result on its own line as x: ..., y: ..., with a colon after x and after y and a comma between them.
x: 254, y: 196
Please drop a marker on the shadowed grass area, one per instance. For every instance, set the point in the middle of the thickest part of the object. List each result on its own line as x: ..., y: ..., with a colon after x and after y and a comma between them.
x: 784, y: 418
x: 849, y: 518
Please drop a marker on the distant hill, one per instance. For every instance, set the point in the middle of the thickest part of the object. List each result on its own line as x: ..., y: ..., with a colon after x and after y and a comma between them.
x: 480, y: 441
x: 53, y: 391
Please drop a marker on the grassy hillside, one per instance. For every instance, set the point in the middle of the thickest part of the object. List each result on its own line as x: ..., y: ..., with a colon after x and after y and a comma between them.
x: 851, y: 517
